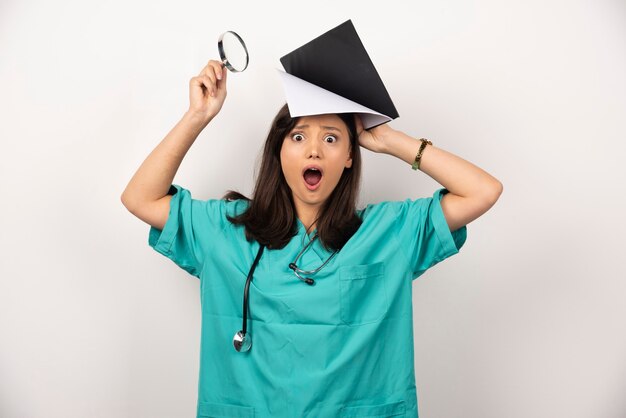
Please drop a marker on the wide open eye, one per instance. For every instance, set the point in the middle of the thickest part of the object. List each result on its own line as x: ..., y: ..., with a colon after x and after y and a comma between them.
x: 297, y: 137
x: 331, y: 139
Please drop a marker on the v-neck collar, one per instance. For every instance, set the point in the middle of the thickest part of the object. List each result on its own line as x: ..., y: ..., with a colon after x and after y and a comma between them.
x: 317, y: 246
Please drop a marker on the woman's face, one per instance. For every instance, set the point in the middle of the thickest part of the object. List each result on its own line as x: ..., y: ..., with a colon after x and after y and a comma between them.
x: 313, y: 157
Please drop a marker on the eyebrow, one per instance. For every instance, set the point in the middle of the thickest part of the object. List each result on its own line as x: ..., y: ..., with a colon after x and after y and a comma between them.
x: 330, y: 128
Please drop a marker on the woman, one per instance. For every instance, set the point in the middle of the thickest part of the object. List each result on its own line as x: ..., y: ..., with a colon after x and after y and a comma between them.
x: 331, y: 302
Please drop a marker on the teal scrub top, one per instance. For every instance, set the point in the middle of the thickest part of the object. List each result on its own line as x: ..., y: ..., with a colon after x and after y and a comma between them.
x: 340, y: 348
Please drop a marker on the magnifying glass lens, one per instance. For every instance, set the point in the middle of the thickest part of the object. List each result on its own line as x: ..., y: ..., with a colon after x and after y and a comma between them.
x: 233, y: 51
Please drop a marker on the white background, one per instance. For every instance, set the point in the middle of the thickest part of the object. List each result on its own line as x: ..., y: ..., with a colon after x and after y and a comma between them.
x: 528, y: 320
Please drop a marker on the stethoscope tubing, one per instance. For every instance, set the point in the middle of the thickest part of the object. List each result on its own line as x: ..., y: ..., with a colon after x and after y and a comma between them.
x: 245, y: 292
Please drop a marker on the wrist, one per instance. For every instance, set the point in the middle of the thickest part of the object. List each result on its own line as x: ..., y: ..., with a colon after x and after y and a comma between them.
x: 399, y: 145
x: 195, y: 119
x: 418, y: 157
x: 385, y: 139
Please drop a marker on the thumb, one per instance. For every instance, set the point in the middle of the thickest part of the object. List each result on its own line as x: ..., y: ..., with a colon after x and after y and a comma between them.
x: 221, y: 84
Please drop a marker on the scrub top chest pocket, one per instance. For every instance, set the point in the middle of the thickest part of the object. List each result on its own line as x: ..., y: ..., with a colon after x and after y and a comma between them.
x: 363, y: 293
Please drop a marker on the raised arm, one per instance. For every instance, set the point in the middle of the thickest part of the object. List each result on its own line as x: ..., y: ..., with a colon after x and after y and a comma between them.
x: 472, y: 191
x: 146, y: 195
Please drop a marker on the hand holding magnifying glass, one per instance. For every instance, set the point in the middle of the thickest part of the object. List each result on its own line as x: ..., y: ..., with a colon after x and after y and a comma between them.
x: 207, y: 91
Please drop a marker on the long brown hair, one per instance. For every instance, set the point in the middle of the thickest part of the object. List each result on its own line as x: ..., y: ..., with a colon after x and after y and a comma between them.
x: 271, y: 217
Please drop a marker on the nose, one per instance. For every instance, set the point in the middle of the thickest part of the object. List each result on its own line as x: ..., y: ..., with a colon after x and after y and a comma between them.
x: 313, y: 150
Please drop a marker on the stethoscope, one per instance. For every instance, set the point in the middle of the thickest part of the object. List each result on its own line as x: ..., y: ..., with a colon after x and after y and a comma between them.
x: 242, y: 340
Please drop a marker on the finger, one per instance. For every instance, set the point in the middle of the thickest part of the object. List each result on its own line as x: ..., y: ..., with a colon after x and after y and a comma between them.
x: 209, y: 83
x: 220, y: 71
x: 197, y: 81
x: 208, y: 65
x: 213, y: 88
x: 203, y: 81
x: 215, y: 68
x: 221, y: 84
x: 359, y: 124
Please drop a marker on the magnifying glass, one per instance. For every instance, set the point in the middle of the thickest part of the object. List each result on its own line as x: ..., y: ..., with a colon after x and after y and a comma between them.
x: 233, y: 51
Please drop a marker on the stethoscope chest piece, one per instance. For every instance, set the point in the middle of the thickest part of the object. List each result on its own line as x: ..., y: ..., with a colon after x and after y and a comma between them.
x: 242, y: 342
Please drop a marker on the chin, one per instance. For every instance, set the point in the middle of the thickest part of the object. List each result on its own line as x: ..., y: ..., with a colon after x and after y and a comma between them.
x: 316, y: 199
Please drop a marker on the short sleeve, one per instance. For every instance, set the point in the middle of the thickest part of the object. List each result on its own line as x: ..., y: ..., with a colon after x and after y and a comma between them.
x: 192, y: 226
x: 424, y: 233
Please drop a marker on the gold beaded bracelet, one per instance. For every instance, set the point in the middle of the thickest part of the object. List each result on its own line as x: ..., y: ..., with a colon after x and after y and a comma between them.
x: 418, y: 157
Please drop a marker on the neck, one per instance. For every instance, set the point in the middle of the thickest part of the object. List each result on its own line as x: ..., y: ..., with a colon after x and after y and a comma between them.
x: 308, y: 217
x: 309, y: 223
x: 307, y: 213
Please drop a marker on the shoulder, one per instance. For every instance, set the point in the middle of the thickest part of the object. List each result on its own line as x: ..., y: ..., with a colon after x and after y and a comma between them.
x: 232, y: 207
x: 218, y: 211
x: 214, y: 208
x: 388, y: 209
x: 401, y: 207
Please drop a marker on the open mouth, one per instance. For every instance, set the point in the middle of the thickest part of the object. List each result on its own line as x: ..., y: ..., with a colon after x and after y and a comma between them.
x: 312, y: 177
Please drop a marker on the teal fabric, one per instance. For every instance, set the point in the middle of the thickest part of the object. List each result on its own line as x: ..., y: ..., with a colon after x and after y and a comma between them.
x: 340, y: 348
